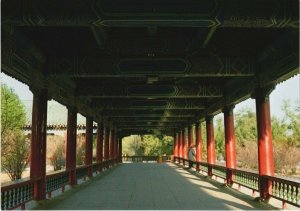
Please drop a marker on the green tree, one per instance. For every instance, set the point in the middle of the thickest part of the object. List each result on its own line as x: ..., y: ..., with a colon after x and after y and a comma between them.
x: 245, y: 126
x: 204, y: 140
x: 14, y: 146
x: 220, y: 137
x: 246, y: 136
x: 292, y: 117
x: 279, y: 130
x: 148, y: 145
x: 13, y: 114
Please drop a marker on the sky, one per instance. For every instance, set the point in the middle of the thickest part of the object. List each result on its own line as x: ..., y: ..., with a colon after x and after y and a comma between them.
x: 288, y: 90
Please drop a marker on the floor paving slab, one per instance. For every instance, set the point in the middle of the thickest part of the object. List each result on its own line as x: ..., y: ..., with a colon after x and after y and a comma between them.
x: 144, y: 186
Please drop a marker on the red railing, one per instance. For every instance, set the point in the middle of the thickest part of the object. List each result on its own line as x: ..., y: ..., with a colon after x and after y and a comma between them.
x: 284, y: 190
x: 16, y: 194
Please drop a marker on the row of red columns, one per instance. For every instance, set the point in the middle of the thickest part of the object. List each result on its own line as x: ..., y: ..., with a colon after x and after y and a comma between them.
x: 265, y: 146
x: 107, y: 141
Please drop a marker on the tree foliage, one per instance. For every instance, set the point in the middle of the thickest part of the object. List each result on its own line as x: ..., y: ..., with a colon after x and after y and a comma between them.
x: 219, y: 137
x: 245, y: 126
x: 13, y: 114
x: 80, y: 149
x: 14, y: 146
x: 148, y: 145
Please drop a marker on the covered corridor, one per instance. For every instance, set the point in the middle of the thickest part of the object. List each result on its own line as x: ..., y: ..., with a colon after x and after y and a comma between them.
x: 151, y: 186
x: 149, y: 67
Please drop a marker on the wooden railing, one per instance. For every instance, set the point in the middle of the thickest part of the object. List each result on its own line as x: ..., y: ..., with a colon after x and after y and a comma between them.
x: 219, y: 171
x: 138, y: 159
x: 246, y: 178
x: 56, y: 180
x: 284, y: 190
x: 16, y: 194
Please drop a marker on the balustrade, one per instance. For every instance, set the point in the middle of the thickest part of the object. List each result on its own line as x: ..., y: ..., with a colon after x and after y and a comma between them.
x: 284, y: 190
x: 16, y: 194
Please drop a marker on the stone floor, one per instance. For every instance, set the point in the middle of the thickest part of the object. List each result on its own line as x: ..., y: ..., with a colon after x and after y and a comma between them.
x: 151, y: 186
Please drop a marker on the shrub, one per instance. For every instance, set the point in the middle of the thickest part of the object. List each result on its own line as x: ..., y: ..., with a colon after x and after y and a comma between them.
x: 16, y: 156
x: 80, y: 152
x: 57, y: 159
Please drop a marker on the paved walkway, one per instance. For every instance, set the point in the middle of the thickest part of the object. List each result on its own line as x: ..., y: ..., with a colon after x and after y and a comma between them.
x: 151, y: 186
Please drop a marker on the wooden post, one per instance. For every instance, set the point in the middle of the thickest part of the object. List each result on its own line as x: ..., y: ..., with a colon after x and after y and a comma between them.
x: 89, y: 145
x: 99, y: 147
x: 190, y: 136
x: 38, y: 143
x: 120, y: 149
x: 265, y: 145
x: 211, y: 154
x: 106, y: 145
x: 71, y: 145
x: 230, y: 143
x: 198, y: 144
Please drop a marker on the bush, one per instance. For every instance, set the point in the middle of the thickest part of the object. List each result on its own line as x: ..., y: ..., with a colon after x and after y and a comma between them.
x: 16, y: 156
x: 80, y: 153
x: 57, y: 159
x: 286, y: 159
x: 247, y: 155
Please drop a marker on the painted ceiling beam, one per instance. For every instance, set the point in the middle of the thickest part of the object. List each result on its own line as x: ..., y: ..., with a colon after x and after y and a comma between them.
x: 206, y: 13
x: 210, y: 65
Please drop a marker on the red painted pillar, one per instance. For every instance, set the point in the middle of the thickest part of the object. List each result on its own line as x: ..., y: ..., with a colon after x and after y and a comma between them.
x: 99, y: 147
x: 89, y: 145
x: 71, y: 145
x: 38, y: 143
x: 265, y: 146
x: 120, y: 149
x: 179, y: 145
x: 230, y: 143
x: 198, y: 144
x: 175, y: 145
x: 116, y: 147
x: 111, y: 142
x: 184, y: 154
x: 190, y: 136
x: 211, y: 154
x: 106, y: 144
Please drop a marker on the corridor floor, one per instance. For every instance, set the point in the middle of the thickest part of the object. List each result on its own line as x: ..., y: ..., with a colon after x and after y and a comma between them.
x: 151, y: 186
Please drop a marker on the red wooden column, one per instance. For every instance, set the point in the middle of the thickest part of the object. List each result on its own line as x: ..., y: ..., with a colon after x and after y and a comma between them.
x: 184, y: 155
x: 230, y: 143
x: 179, y: 145
x: 106, y: 143
x: 265, y: 146
x: 175, y: 145
x: 38, y: 143
x: 89, y: 145
x: 211, y: 154
x: 120, y: 149
x: 99, y: 147
x: 116, y: 147
x: 111, y: 142
x: 71, y: 145
x: 198, y: 144
x: 190, y: 136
